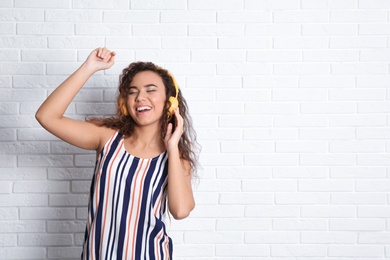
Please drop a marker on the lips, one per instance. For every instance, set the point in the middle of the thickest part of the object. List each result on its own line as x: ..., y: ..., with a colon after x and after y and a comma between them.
x: 143, y: 109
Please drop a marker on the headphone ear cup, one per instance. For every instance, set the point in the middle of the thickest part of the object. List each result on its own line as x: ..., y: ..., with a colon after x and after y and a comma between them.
x: 174, y: 103
x: 123, y: 107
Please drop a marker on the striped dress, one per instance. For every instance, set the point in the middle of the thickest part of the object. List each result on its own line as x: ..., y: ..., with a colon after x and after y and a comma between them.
x: 127, y: 205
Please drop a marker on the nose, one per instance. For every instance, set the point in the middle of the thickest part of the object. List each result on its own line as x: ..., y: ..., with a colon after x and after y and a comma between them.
x: 140, y: 96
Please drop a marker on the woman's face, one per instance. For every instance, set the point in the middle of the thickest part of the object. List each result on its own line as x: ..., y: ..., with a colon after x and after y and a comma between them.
x: 146, y: 98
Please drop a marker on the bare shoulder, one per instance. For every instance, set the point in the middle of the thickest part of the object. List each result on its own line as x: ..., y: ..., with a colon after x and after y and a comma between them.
x: 105, y: 134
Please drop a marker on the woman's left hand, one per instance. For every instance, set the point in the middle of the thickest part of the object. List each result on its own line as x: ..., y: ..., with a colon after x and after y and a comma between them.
x: 172, y: 138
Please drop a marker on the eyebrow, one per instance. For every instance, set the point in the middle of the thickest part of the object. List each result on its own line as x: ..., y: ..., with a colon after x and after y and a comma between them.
x: 146, y: 86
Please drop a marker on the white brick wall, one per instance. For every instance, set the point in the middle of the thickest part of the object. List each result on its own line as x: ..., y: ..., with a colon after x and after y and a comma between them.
x: 290, y: 99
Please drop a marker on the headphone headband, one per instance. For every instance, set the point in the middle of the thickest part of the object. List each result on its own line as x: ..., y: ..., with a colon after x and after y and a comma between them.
x: 174, y: 84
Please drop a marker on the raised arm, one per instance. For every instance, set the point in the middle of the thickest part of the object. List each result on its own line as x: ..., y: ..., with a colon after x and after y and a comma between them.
x: 51, y: 113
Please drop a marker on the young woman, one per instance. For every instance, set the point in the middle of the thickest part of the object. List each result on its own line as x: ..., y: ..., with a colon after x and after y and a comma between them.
x: 145, y: 158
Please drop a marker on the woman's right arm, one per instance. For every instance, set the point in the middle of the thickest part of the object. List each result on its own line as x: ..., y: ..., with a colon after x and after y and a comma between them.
x: 51, y: 113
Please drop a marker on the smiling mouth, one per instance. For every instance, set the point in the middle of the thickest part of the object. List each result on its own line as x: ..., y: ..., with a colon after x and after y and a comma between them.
x: 143, y: 109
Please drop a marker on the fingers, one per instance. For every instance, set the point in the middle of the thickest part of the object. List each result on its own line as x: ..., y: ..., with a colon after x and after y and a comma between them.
x: 105, y: 54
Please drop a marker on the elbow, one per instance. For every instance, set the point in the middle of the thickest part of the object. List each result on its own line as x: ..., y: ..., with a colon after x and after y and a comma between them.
x: 182, y: 212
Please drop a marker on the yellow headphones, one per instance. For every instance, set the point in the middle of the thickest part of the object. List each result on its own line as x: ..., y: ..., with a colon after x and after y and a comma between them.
x: 174, y: 102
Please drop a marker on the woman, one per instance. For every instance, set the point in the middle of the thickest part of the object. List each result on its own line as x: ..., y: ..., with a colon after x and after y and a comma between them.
x: 145, y: 158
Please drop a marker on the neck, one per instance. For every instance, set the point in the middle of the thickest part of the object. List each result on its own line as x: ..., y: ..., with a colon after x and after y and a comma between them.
x: 146, y: 137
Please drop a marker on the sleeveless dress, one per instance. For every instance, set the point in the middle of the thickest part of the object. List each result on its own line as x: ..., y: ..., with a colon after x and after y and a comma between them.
x: 126, y: 207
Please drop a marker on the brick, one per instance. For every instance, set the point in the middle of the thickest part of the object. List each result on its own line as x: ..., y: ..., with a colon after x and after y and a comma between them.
x: 300, y: 172
x: 333, y: 81
x: 22, y: 253
x: 270, y: 160
x: 373, y: 159
x: 8, y: 29
x: 305, y: 198
x: 357, y: 120
x: 45, y: 240
x: 184, y: 16
x: 348, y: 16
x: 339, y: 159
x: 220, y: 56
x: 328, y: 211
x: 21, y: 69
x: 331, y: 4
x: 217, y: 4
x: 65, y: 226
x: 328, y: 238
x: 220, y: 185
x: 374, y: 107
x: 243, y: 172
x: 201, y: 237
x: 274, y: 237
x: 375, y: 55
x: 373, y: 133
x: 24, y: 147
x: 355, y: 250
x: 221, y: 159
x: 64, y: 252
x: 375, y: 4
x: 47, y: 213
x: 372, y: 224
x: 22, y: 226
x: 306, y: 224
x: 18, y: 200
x: 246, y: 224
x: 217, y: 81
x: 244, y: 43
x: 271, y: 211
x: 272, y: 4
x: 302, y: 69
x: 245, y: 199
x: 244, y: 17
x: 195, y: 250
x: 302, y: 42
x: 356, y: 94
x: 300, y: 121
x: 298, y: 250
x: 313, y: 16
x: 218, y: 211
x: 151, y: 5
x: 242, y: 250
x: 243, y: 69
x: 270, y: 82
x: 100, y: 4
x: 216, y: 30
x: 17, y: 42
x: 272, y: 29
x: 359, y: 198
x: 356, y: 146
x: 68, y: 200
x: 47, y: 160
x: 158, y: 56
x: 270, y: 134
x: 331, y: 55
x: 7, y: 160
x: 361, y: 42
x: 41, y: 187
x: 372, y: 81
x: 326, y: 185
x: 57, y: 4
x: 377, y: 239
x: 329, y: 29
x: 45, y: 28
x: 274, y: 55
x: 247, y: 147
x: 63, y: 42
x: 8, y: 214
x: 362, y: 172
x: 73, y: 15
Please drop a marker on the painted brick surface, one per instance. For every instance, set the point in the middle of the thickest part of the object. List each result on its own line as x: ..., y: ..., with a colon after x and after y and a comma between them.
x: 290, y: 100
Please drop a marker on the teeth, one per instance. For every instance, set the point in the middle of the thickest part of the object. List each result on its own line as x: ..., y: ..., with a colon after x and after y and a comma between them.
x: 140, y: 109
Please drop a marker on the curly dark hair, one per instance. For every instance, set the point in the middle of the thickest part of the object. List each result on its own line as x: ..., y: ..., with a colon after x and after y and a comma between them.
x: 122, y: 121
